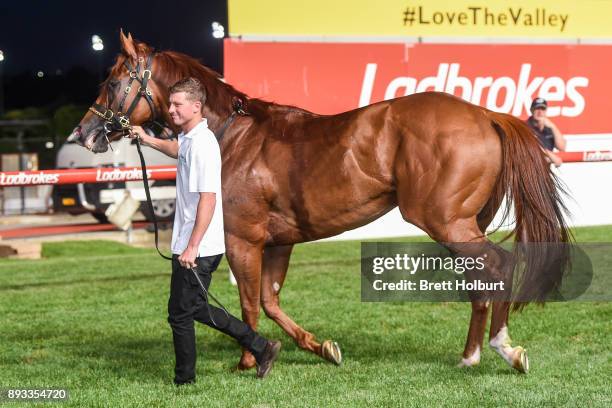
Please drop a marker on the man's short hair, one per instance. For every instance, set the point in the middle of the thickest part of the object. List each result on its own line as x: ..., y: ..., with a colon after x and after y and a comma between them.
x: 192, y: 87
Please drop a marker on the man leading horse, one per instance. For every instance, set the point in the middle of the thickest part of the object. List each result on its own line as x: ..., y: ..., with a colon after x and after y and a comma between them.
x: 292, y: 176
x: 197, y: 235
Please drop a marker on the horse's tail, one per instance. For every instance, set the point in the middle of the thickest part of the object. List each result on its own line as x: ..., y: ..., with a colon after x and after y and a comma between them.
x: 528, y: 182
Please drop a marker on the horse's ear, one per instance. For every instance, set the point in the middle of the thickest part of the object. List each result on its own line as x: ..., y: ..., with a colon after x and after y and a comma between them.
x: 127, y: 45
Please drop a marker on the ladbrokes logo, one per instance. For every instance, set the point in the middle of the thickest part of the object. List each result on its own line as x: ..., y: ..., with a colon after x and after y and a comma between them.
x: 502, y: 94
x: 22, y: 178
x: 120, y: 175
x: 598, y: 156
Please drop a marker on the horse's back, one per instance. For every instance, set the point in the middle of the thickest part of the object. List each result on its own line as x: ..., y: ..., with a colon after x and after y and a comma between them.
x: 328, y: 174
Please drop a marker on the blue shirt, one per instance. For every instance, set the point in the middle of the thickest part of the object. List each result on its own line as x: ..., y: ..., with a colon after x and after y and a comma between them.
x: 546, y: 135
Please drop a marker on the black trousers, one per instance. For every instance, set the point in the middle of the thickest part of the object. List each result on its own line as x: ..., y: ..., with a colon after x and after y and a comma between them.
x: 187, y: 304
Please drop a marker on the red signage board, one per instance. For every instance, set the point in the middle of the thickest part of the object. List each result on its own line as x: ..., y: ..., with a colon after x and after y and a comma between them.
x: 89, y: 175
x: 334, y: 77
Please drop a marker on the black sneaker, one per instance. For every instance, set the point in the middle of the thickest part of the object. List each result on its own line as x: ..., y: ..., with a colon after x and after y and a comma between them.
x: 178, y: 384
x: 268, y: 357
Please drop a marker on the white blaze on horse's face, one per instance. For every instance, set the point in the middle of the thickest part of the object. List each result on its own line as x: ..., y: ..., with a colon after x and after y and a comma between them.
x: 183, y: 110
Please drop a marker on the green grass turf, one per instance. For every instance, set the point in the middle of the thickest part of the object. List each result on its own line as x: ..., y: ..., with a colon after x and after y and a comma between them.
x: 91, y: 317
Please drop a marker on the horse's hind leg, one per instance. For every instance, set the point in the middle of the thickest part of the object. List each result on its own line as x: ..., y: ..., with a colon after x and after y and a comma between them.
x: 453, y: 235
x: 498, y: 266
x: 475, y: 337
x: 275, y: 264
x: 480, y: 308
x: 435, y: 220
x: 499, y: 339
x: 452, y: 213
x: 498, y: 333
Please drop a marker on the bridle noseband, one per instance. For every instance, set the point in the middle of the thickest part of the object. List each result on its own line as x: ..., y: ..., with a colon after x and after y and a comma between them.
x: 120, y: 121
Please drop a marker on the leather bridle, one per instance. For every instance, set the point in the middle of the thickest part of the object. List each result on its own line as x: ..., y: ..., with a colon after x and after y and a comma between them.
x: 119, y: 121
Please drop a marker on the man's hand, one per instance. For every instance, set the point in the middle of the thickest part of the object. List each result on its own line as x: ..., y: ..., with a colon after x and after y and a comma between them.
x: 167, y: 147
x: 553, y: 158
x: 137, y: 133
x: 187, y: 258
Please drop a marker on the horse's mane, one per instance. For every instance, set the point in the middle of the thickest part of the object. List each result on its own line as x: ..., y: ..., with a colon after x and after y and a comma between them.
x: 173, y: 66
x: 176, y: 65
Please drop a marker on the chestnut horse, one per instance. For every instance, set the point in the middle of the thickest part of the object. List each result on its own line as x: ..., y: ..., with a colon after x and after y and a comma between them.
x: 292, y: 176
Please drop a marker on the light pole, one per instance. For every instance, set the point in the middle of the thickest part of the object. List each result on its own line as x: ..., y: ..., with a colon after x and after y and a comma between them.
x: 1, y: 84
x: 98, y: 45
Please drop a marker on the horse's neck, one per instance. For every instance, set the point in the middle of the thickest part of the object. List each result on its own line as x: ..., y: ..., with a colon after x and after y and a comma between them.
x: 216, y: 116
x: 218, y: 106
x: 221, y: 98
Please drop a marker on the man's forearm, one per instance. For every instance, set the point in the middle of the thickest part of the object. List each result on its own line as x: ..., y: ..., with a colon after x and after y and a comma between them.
x: 168, y: 147
x: 559, y: 139
x: 206, y: 208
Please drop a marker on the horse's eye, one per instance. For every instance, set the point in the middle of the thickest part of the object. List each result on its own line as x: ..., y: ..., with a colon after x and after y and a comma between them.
x: 113, y: 83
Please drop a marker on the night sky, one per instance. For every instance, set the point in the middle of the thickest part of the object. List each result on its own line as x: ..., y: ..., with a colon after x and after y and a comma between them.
x: 50, y: 35
x: 55, y: 36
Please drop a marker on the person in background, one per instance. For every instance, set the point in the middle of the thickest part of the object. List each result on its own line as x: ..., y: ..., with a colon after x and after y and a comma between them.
x: 547, y: 132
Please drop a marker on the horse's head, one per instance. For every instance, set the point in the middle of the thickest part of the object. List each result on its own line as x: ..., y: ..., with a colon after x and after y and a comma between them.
x: 129, y: 96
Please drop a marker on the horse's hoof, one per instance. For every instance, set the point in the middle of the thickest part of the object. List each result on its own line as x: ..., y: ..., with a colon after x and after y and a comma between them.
x: 520, y: 361
x: 246, y: 362
x: 471, y: 360
x: 330, y: 350
x: 242, y: 367
x: 468, y: 362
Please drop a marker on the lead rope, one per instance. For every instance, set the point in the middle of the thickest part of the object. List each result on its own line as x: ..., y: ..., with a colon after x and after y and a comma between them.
x: 206, y: 295
x: 145, y: 180
x: 205, y: 292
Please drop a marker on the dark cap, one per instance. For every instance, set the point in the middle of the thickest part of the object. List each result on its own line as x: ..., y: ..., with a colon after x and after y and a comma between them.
x: 539, y: 103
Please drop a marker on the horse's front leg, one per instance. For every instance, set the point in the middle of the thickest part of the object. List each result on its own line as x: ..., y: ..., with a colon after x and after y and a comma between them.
x: 275, y: 264
x: 244, y: 258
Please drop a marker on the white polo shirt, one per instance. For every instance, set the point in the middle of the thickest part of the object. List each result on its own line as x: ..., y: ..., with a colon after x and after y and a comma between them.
x: 198, y: 170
